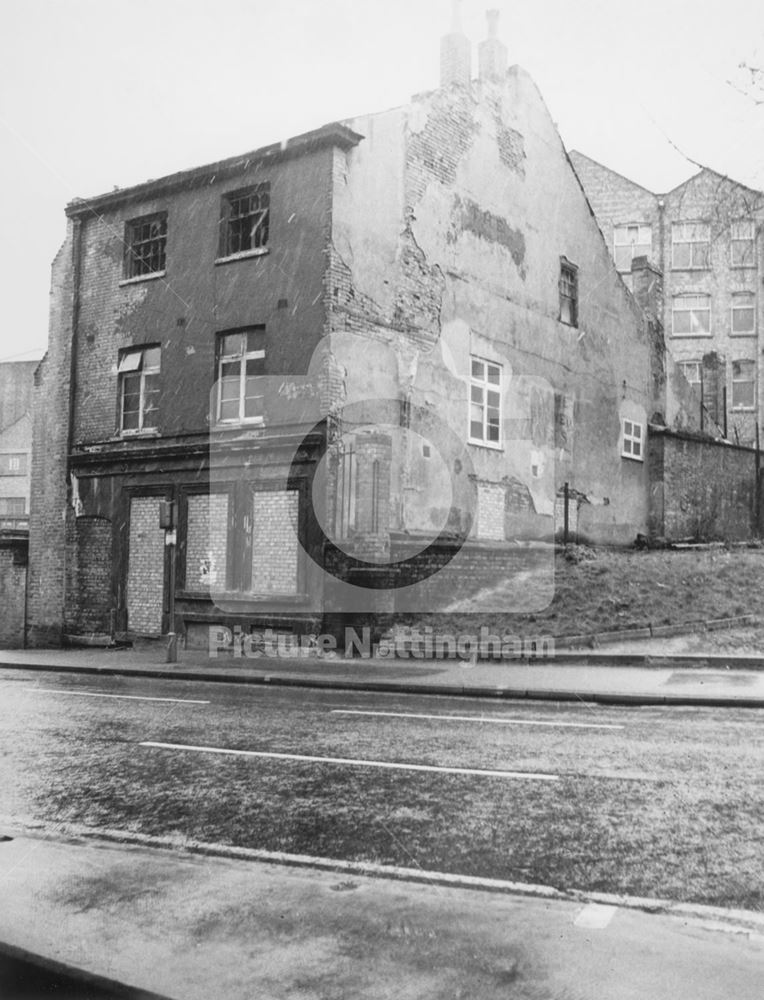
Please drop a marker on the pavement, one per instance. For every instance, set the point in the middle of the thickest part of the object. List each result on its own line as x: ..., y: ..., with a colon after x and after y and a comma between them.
x: 642, y: 673
x: 159, y: 922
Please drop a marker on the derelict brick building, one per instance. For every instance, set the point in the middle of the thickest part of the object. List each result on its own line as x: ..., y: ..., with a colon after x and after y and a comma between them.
x: 418, y: 304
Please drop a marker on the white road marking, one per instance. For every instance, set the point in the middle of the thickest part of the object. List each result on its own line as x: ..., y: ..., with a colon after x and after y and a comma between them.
x: 129, y: 697
x: 355, y: 762
x: 477, y: 718
x: 595, y: 917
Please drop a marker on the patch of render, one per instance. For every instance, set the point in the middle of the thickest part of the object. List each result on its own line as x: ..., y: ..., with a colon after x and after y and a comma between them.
x: 494, y: 228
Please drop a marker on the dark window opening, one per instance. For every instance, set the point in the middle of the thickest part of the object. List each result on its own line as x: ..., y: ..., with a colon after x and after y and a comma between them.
x: 568, y: 293
x: 245, y: 221
x: 146, y: 244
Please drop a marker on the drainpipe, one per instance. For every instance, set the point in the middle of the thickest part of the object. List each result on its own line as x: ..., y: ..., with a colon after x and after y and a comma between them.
x: 76, y: 280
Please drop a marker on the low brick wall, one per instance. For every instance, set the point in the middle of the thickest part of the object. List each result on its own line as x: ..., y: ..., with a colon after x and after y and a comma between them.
x: 14, y: 550
x: 701, y: 490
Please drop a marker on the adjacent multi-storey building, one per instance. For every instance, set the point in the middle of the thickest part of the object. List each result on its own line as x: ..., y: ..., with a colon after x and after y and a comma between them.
x: 371, y: 358
x: 704, y: 238
x: 16, y: 385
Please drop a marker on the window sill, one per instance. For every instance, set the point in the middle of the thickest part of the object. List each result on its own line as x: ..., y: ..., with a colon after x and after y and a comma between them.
x: 232, y: 425
x: 742, y: 409
x: 152, y: 432
x: 742, y: 267
x: 244, y: 255
x: 142, y: 277
x: 633, y: 458
x: 485, y: 444
x: 691, y: 336
x: 742, y: 333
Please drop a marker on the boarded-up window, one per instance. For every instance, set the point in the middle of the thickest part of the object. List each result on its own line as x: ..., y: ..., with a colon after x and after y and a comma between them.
x: 207, y: 542
x: 275, y: 545
x: 145, y: 575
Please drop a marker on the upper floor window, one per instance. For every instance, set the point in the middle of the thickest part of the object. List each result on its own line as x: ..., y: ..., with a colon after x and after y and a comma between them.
x: 145, y: 245
x: 692, y: 371
x: 13, y: 464
x: 630, y: 241
x: 743, y: 312
x: 691, y: 316
x: 632, y: 440
x: 139, y: 388
x: 241, y: 362
x: 743, y: 385
x: 245, y: 220
x: 690, y: 244
x: 742, y: 234
x: 485, y: 402
x: 568, y: 292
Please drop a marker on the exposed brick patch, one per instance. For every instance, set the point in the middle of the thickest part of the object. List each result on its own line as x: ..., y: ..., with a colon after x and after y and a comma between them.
x: 493, y: 228
x: 88, y: 575
x: 13, y: 575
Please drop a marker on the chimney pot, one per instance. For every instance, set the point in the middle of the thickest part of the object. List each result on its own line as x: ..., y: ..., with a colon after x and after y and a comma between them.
x: 492, y: 54
x: 455, y: 53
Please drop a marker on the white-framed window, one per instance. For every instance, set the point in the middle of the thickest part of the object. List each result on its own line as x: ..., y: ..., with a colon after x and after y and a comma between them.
x: 743, y: 312
x: 743, y: 385
x: 146, y: 245
x: 691, y: 316
x: 742, y: 243
x: 693, y: 372
x: 485, y: 402
x: 568, y: 285
x: 245, y: 220
x: 631, y: 240
x: 139, y: 388
x: 690, y: 245
x: 241, y: 363
x: 633, y: 443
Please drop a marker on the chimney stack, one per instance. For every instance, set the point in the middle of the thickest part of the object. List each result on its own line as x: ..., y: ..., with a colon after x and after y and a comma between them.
x: 455, y: 53
x: 492, y: 54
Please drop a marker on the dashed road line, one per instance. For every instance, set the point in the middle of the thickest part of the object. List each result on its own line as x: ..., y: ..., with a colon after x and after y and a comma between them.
x: 355, y: 762
x: 477, y: 718
x: 595, y: 916
x: 128, y: 697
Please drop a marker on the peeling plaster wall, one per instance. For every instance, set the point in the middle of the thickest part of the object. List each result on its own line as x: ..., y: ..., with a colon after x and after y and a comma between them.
x: 458, y: 253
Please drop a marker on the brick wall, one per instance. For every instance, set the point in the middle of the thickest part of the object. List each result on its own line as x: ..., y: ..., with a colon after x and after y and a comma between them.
x: 145, y: 575
x: 48, y: 501
x: 13, y: 578
x: 207, y: 542
x: 701, y: 490
x: 274, y: 542
x: 88, y: 575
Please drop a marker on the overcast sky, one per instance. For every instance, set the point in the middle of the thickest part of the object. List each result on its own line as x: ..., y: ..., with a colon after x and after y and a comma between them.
x: 99, y: 93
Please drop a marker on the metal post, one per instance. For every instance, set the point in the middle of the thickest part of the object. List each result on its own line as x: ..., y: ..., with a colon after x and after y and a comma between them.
x: 172, y: 644
x: 757, y: 490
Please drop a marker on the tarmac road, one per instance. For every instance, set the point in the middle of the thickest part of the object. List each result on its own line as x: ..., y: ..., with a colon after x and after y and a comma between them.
x: 580, y: 797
